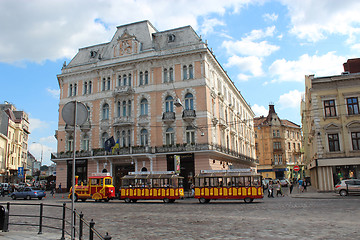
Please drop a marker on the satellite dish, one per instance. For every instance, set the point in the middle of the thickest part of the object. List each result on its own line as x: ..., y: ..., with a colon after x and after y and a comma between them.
x: 68, y: 113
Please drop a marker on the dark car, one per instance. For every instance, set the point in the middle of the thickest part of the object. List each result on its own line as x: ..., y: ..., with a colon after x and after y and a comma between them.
x: 28, y: 193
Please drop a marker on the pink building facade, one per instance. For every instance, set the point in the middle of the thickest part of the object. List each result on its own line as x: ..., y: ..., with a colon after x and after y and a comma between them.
x: 158, y: 94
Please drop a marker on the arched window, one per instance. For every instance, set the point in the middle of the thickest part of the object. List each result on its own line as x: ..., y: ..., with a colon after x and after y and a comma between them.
x: 185, y: 72
x: 129, y: 108
x: 171, y: 75
x: 108, y: 83
x: 144, y: 107
x: 90, y: 87
x: 123, y: 138
x: 129, y: 138
x: 75, y: 89
x: 85, y: 87
x: 70, y: 90
x: 104, y: 137
x: 169, y: 136
x: 146, y: 78
x: 169, y: 104
x: 143, y: 137
x: 119, y: 81
x: 141, y: 77
x: 70, y: 143
x: 103, y: 84
x: 105, y: 111
x: 124, y: 80
x: 129, y: 79
x: 191, y: 72
x: 189, y: 102
x: 190, y: 135
x: 124, y: 108
x: 85, y: 143
x: 165, y: 75
x: 118, y: 106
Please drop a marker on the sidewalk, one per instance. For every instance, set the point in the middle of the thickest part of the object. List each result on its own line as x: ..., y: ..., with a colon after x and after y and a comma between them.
x: 313, y: 193
x: 16, y: 235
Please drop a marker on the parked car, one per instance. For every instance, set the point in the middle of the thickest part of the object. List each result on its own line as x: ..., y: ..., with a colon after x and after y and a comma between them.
x: 284, y: 182
x: 28, y: 193
x: 348, y: 186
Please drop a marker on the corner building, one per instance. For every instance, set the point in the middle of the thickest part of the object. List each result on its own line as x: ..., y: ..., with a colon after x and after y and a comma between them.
x: 331, y: 126
x: 159, y: 94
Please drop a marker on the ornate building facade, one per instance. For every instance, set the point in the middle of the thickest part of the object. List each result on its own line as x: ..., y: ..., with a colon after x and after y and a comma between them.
x: 14, y: 134
x: 278, y: 144
x: 158, y: 94
x: 331, y: 125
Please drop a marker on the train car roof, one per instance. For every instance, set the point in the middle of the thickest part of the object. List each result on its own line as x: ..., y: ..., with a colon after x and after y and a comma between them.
x: 151, y: 176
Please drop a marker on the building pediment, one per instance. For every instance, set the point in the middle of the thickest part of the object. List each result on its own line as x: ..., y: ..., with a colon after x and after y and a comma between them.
x: 126, y: 44
x: 332, y: 126
x: 354, y: 125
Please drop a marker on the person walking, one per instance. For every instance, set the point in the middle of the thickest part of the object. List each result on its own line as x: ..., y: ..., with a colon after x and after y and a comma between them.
x: 53, y: 186
x: 278, y: 189
x: 271, y: 190
x: 304, y: 185
x: 291, y: 186
x: 60, y: 190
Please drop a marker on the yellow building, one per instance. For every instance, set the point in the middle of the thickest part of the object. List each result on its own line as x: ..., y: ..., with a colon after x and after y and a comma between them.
x: 278, y: 144
x: 330, y: 116
x: 158, y: 94
x: 14, y: 131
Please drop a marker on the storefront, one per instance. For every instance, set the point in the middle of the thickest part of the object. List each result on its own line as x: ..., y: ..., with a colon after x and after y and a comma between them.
x: 345, y: 172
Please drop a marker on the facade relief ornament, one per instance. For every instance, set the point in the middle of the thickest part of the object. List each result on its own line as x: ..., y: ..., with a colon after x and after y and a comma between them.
x: 126, y: 44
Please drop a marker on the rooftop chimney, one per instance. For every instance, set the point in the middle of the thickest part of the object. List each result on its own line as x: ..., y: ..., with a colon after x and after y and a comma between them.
x: 352, y: 65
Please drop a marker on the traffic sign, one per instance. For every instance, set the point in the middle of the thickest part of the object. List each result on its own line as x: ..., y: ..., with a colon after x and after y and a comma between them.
x: 296, y: 168
x: 20, y: 172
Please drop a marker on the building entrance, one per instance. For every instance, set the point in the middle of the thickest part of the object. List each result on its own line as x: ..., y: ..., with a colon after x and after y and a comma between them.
x: 187, y: 168
x: 80, y: 171
x: 121, y: 171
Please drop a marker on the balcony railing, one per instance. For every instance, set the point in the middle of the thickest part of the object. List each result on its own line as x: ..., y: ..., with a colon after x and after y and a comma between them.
x: 154, y: 150
x: 123, y: 90
x: 123, y: 121
x: 189, y: 115
x: 168, y: 117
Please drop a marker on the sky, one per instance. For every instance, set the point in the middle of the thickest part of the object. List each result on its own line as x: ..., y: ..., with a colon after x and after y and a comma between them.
x: 266, y: 47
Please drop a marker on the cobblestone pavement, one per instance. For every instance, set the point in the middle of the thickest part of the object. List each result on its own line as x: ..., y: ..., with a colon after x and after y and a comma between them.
x: 308, y: 215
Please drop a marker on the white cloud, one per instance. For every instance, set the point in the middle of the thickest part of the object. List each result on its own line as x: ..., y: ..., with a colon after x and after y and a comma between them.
x: 270, y: 17
x: 37, y: 124
x: 259, y: 110
x: 55, y: 93
x: 291, y: 99
x: 40, y: 150
x: 294, y: 71
x: 313, y: 20
x: 209, y: 24
x: 50, y: 30
x: 249, y: 64
x: 259, y: 34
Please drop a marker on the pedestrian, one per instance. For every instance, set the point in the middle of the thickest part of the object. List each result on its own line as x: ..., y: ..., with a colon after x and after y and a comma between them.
x: 278, y: 189
x: 192, y: 187
x: 291, y: 186
x: 304, y: 185
x: 52, y: 186
x: 271, y: 190
x: 60, y: 190
x: 301, y: 187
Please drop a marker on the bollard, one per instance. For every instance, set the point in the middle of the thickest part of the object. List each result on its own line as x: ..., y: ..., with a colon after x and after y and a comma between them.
x: 81, y: 225
x: 91, y: 233
x: 63, y: 223
x: 107, y: 237
x: 40, y: 218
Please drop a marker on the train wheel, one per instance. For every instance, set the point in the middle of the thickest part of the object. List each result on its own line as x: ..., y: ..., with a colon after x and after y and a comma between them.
x: 83, y: 200
x: 207, y: 200
x: 166, y: 200
x: 127, y: 200
x: 203, y: 200
x: 134, y: 200
x: 248, y: 200
x: 172, y: 200
x: 106, y: 200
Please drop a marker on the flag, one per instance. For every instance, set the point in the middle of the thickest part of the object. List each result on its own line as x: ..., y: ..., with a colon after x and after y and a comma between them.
x: 117, y: 146
x: 109, y: 144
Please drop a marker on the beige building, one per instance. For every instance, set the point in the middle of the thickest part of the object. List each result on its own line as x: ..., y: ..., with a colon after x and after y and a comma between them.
x: 14, y: 132
x: 158, y: 94
x: 330, y: 117
x: 278, y: 144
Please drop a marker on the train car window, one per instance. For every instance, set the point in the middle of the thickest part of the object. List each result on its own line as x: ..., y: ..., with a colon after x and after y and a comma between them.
x: 256, y: 181
x: 247, y: 181
x: 107, y: 181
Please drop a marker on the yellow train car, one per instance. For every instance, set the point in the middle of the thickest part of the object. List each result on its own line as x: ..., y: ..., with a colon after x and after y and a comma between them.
x: 243, y: 184
x: 166, y: 186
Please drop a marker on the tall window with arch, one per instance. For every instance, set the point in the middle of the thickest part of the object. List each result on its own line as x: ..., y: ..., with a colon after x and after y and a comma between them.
x: 118, y: 137
x: 169, y: 136
x: 124, y: 108
x: 118, y: 108
x: 119, y: 81
x: 103, y: 84
x: 141, y: 78
x: 129, y: 138
x: 75, y: 89
x: 90, y: 87
x: 144, y: 107
x: 191, y: 72
x: 169, y: 104
x: 185, y: 73
x: 146, y: 78
x: 85, y: 143
x: 129, y: 108
x: 70, y: 90
x: 171, y: 75
x: 123, y: 138
x: 108, y: 84
x: 129, y: 79
x: 85, y: 88
x: 105, y: 111
x: 189, y: 101
x: 144, y: 137
x: 165, y: 75
x: 124, y: 80
x: 190, y: 135
x: 104, y: 137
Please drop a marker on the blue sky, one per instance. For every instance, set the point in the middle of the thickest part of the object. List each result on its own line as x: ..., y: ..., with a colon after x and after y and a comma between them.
x: 267, y: 47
